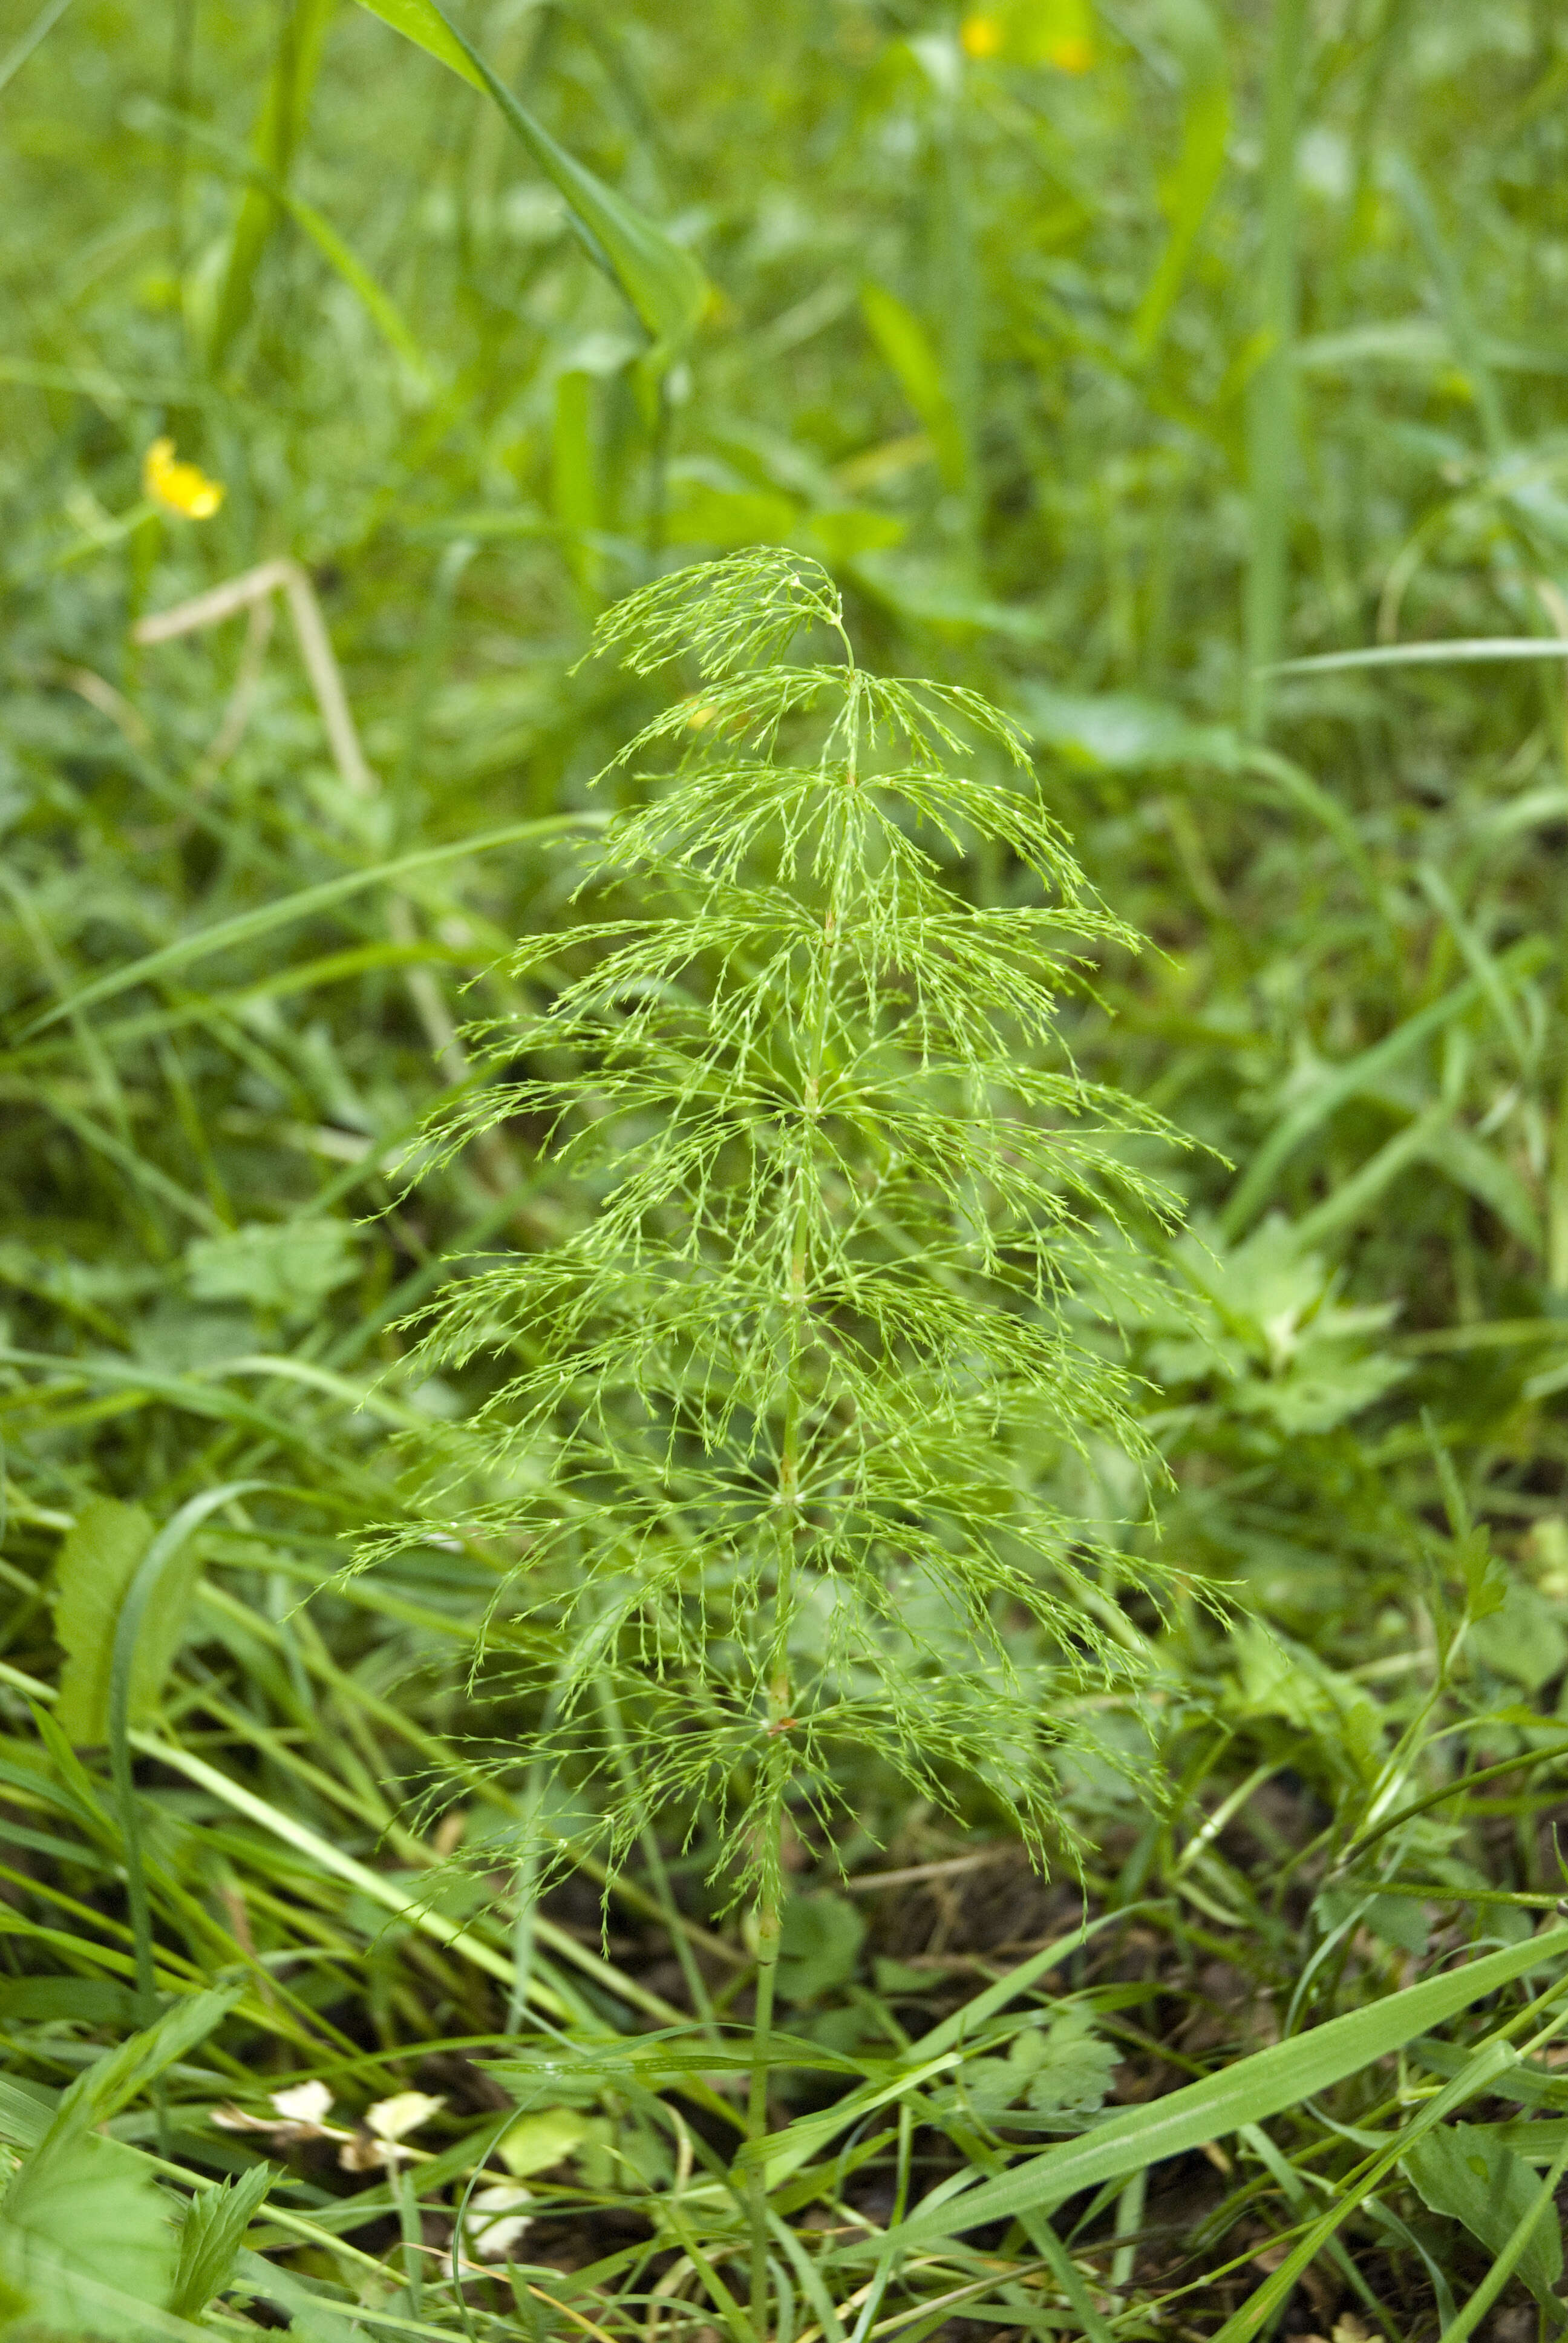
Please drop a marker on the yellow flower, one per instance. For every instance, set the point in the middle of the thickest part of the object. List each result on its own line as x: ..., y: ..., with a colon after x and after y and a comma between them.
x: 179, y: 487
x: 981, y: 36
x: 1072, y: 55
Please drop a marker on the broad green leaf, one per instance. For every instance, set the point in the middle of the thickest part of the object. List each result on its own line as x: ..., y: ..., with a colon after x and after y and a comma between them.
x: 418, y: 22
x: 1206, y: 125
x: 97, y: 1564
x: 1122, y: 732
x: 536, y: 2142
x: 663, y: 283
x: 819, y: 1945
x: 706, y: 509
x: 1465, y: 2172
x: 936, y: 593
x: 1248, y: 2091
x: 85, y: 2233
x: 214, y: 2231
x: 287, y: 1266
x: 82, y: 2208
x: 912, y: 355
x: 1522, y: 1637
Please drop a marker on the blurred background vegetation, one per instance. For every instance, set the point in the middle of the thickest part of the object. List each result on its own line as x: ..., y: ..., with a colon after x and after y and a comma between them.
x: 1108, y: 357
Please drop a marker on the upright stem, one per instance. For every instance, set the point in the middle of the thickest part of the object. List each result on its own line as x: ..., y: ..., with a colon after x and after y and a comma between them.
x: 1271, y: 433
x: 780, y: 1689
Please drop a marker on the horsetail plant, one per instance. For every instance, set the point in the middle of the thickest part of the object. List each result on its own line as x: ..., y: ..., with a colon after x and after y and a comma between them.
x: 778, y: 1424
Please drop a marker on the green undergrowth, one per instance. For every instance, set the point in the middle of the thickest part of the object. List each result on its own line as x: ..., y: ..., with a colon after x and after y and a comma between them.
x: 708, y: 1632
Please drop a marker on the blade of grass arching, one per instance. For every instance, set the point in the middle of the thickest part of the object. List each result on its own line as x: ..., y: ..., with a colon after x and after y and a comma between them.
x: 1477, y: 959
x: 1461, y: 651
x: 663, y: 283
x: 296, y: 65
x: 1466, y: 1782
x: 556, y: 1997
x: 377, y: 302
x: 664, y: 1895
x: 1205, y: 129
x: 1322, y: 806
x: 1355, y: 1196
x: 1246, y: 2092
x: 1365, y: 1070
x: 133, y: 1166
x: 214, y: 1010
x: 196, y: 1396
x: 1483, y: 2069
x: 1272, y: 395
x: 152, y: 119
x: 249, y: 927
x: 1295, y: 2189
x: 38, y: 31
x: 94, y: 1052
x: 1468, y: 348
x: 146, y: 1585
x: 934, y: 2053
x: 369, y: 1596
x: 332, y: 1860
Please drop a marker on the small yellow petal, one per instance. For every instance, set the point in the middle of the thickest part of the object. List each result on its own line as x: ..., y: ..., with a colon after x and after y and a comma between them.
x: 179, y: 487
x: 981, y: 36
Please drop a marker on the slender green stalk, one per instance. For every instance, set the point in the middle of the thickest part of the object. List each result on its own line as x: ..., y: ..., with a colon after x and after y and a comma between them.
x: 1270, y: 407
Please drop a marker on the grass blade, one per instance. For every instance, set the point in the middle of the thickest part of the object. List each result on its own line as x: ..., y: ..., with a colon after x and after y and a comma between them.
x: 1245, y: 2093
x: 1271, y: 417
x: 1464, y: 651
x: 247, y: 927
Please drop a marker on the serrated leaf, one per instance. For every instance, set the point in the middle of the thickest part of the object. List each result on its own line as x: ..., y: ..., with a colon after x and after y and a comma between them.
x: 215, y: 2226
x: 85, y: 2207
x: 116, y: 2080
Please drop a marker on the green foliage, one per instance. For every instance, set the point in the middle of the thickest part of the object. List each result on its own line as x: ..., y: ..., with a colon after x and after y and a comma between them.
x: 288, y: 1268
x: 1053, y: 2078
x: 88, y: 2238
x: 1096, y: 354
x: 85, y: 2237
x: 820, y: 1941
x: 97, y: 1562
x: 853, y: 1213
x: 211, y: 2236
x: 1465, y: 2171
